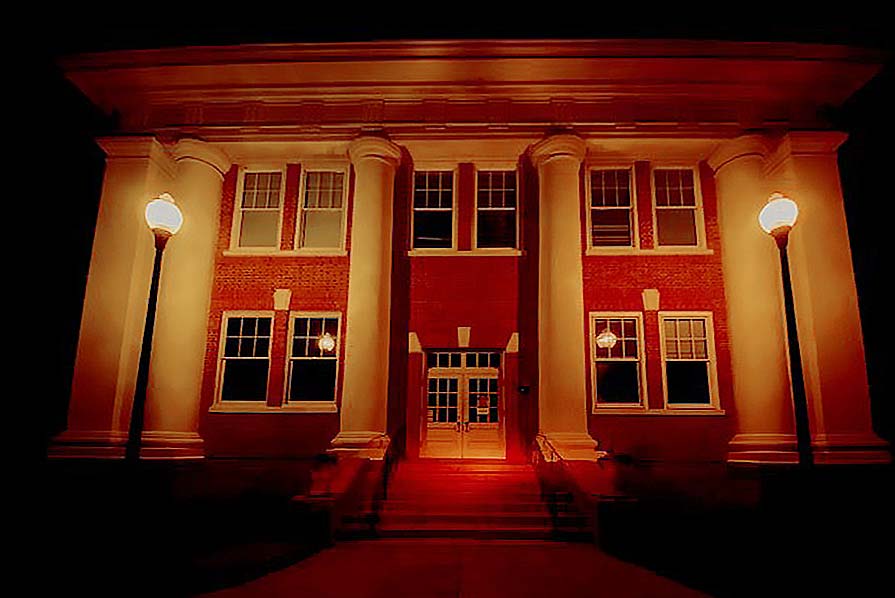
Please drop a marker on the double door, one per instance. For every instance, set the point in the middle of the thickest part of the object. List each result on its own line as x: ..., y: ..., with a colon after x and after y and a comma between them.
x: 464, y: 409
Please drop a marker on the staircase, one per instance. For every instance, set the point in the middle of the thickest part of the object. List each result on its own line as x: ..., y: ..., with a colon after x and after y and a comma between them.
x: 474, y: 499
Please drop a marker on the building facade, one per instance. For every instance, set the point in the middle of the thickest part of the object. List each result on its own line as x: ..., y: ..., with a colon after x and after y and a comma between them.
x: 471, y: 249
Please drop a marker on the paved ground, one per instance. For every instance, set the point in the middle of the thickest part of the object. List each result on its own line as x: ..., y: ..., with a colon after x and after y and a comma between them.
x: 460, y: 568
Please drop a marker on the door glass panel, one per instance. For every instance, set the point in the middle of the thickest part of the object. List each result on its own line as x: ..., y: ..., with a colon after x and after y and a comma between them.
x: 442, y: 397
x: 483, y: 401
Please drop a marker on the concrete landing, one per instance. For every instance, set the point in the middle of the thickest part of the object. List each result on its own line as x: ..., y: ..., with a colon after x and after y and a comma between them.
x: 460, y: 568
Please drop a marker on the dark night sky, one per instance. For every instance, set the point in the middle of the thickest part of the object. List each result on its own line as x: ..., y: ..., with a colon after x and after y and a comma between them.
x: 70, y: 121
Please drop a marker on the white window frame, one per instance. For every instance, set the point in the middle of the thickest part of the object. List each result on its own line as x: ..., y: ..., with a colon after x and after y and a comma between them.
x: 311, y: 406
x: 635, y: 222
x: 493, y: 167
x: 318, y: 166
x: 714, y: 406
x: 241, y: 406
x: 699, y: 215
x: 236, y: 223
x: 643, y: 393
x: 436, y: 167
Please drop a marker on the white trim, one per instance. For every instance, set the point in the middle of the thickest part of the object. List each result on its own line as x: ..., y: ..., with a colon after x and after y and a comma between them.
x: 311, y: 406
x: 635, y: 223
x: 474, y: 240
x: 321, y: 166
x: 496, y: 252
x: 661, y: 412
x: 699, y: 212
x: 219, y: 405
x: 642, y: 390
x: 236, y: 220
x: 711, y: 363
x: 455, y: 215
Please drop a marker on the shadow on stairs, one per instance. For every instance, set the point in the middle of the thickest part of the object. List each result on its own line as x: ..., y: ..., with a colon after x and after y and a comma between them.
x: 469, y: 499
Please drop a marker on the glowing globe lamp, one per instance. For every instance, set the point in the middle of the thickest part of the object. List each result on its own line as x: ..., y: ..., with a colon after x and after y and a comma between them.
x: 163, y: 216
x: 606, y: 339
x: 779, y: 213
x: 326, y: 342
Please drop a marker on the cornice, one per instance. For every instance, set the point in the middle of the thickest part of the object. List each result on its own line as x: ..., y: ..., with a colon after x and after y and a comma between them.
x: 740, y: 147
x: 373, y: 147
x: 201, y: 151
x: 563, y: 145
x: 466, y: 49
x: 643, y: 81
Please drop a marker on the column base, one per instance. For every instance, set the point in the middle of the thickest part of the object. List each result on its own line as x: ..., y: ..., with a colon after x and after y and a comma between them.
x: 98, y: 444
x: 369, y: 445
x: 88, y: 444
x: 828, y: 449
x: 867, y: 448
x: 569, y: 446
x: 161, y: 446
x: 756, y: 449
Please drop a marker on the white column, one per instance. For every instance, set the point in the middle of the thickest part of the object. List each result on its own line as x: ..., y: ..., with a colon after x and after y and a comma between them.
x: 755, y: 320
x: 180, y: 338
x: 137, y: 169
x: 562, y: 398
x: 365, y: 382
x: 804, y: 166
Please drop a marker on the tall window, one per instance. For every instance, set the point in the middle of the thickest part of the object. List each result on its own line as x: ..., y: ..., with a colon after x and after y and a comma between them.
x: 433, y: 210
x: 676, y: 206
x: 313, y: 358
x: 618, y: 365
x: 687, y: 355
x: 611, y: 219
x: 496, y: 209
x: 322, y: 210
x: 259, y: 210
x: 245, y: 359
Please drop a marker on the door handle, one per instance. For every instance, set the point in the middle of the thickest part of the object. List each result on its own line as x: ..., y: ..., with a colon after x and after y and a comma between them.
x: 466, y: 426
x: 459, y: 423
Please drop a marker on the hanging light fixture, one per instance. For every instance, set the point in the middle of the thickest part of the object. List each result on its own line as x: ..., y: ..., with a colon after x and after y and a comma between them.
x: 326, y: 342
x: 606, y: 339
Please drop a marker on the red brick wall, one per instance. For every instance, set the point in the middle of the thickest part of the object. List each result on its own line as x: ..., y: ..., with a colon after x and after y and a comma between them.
x: 685, y: 283
x: 248, y: 283
x: 495, y: 296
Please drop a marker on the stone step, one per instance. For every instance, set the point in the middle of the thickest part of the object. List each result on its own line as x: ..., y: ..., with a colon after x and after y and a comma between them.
x: 446, y: 504
x: 475, y: 531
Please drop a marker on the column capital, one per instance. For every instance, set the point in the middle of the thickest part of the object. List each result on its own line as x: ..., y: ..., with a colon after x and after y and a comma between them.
x: 202, y: 151
x: 372, y: 147
x: 740, y: 147
x: 563, y: 145
x: 802, y: 143
x: 137, y: 147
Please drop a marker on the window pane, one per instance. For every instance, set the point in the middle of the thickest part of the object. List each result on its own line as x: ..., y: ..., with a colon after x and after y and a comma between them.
x: 611, y: 228
x: 432, y: 229
x: 688, y: 382
x: 259, y: 229
x: 496, y: 228
x: 245, y: 380
x: 676, y: 227
x: 313, y: 380
x: 617, y: 382
x: 322, y: 229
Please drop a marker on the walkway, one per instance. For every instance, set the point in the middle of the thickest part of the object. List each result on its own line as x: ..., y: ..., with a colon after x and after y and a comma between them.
x: 460, y: 568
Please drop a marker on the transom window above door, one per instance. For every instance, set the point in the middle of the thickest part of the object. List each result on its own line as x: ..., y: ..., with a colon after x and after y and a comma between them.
x: 463, y: 359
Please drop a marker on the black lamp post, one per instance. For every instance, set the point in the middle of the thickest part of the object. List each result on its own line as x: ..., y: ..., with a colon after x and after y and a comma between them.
x: 164, y: 219
x: 777, y: 219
